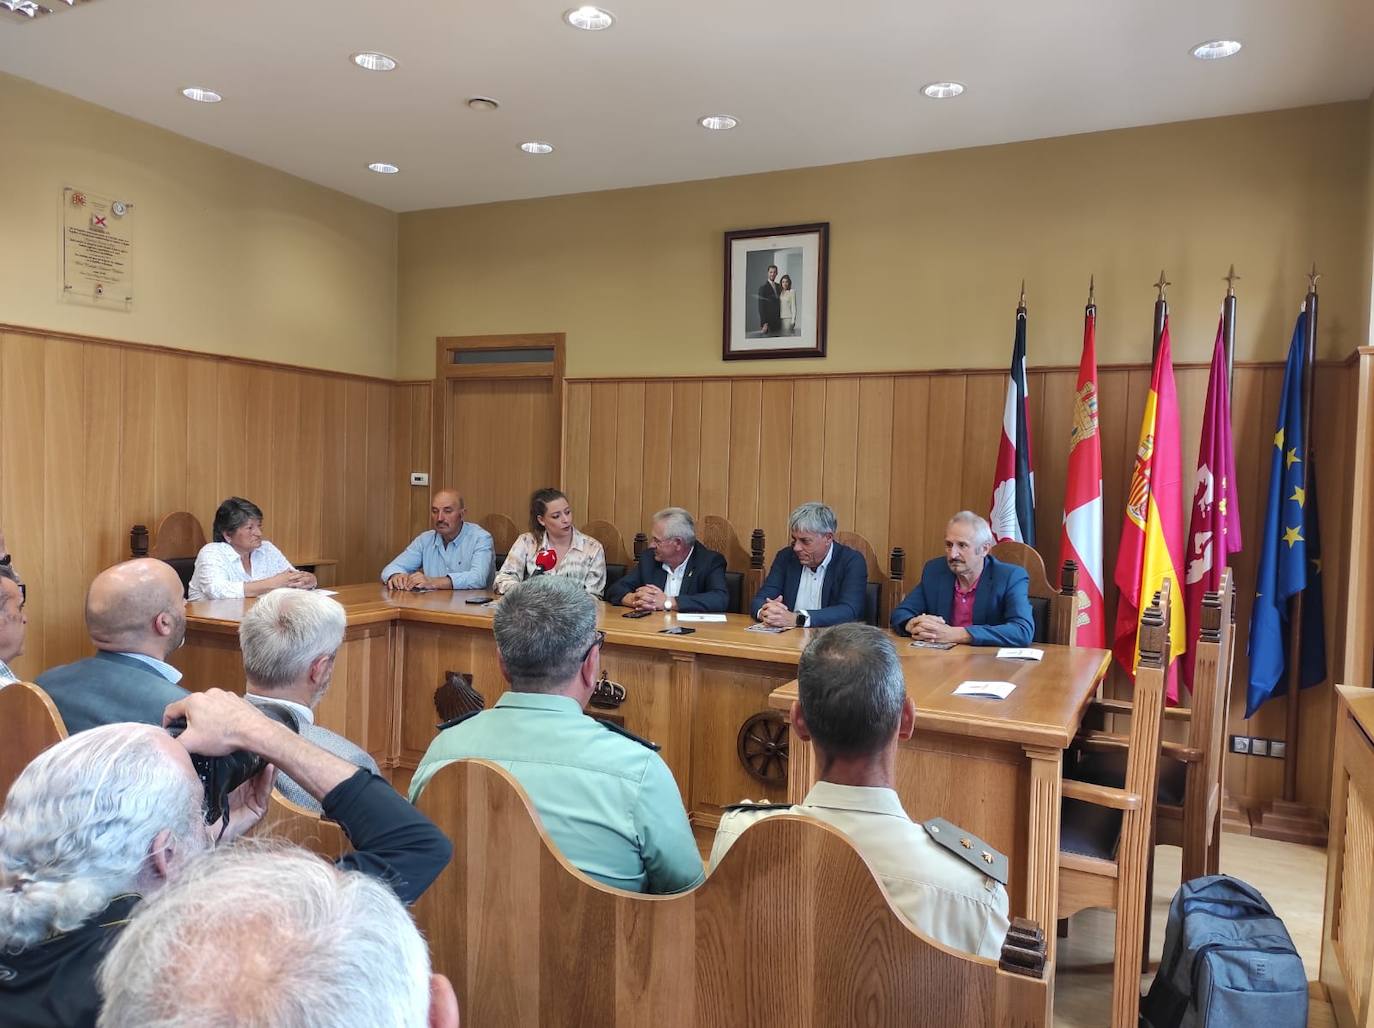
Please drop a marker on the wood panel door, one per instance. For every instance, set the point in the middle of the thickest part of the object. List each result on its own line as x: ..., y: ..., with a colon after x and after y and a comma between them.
x: 500, y: 425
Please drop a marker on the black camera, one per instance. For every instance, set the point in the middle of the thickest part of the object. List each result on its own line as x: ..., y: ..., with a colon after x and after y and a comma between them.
x: 222, y: 775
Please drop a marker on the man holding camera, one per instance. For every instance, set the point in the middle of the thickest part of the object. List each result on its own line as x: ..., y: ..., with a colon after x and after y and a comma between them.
x: 111, y: 815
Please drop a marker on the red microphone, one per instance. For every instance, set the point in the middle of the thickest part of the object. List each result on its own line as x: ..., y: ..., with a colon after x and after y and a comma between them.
x: 545, y: 561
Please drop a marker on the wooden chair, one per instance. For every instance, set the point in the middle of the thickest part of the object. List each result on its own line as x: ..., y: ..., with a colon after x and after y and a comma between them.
x: 32, y: 724
x: 1105, y: 832
x: 290, y: 822
x: 1055, y: 610
x: 177, y: 539
x: 884, y: 584
x: 793, y: 928
x: 503, y: 533
x: 743, y: 566
x: 618, y: 558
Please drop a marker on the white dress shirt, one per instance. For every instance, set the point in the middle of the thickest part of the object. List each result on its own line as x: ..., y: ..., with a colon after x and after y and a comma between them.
x: 675, y: 575
x: 809, y: 588
x: 219, y: 573
x: 6, y: 675
x: 160, y: 666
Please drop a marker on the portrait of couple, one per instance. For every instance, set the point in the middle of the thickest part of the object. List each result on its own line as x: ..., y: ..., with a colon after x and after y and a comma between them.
x: 775, y: 286
x: 777, y: 305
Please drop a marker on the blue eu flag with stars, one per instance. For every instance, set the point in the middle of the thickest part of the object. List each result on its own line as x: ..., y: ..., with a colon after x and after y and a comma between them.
x: 1290, y: 551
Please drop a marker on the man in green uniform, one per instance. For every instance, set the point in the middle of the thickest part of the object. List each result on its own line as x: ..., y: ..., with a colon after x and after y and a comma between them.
x: 605, y: 797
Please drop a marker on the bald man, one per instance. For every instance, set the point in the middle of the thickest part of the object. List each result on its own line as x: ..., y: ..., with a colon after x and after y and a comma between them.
x: 454, y: 555
x: 136, y: 617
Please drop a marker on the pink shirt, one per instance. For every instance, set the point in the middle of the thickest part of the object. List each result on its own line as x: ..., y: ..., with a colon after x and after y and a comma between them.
x: 962, y: 615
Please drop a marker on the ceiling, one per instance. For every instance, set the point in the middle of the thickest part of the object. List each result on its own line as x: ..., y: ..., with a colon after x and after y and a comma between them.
x: 811, y: 82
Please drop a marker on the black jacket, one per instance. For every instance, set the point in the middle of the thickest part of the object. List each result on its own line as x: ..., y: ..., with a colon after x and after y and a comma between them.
x: 703, y: 583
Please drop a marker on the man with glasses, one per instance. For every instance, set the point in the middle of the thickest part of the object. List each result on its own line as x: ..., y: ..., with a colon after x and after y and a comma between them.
x: 13, y: 621
x: 606, y: 798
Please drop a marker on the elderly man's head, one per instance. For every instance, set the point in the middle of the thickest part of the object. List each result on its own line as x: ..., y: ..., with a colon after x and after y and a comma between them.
x: 968, y: 538
x: 137, y: 607
x: 851, y: 695
x: 546, y: 636
x: 674, y: 533
x: 117, y: 809
x: 813, y: 526
x: 272, y: 937
x: 289, y: 639
x: 446, y: 513
x: 13, y: 620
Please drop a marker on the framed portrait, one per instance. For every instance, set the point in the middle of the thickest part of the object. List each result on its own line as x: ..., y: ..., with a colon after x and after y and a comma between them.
x: 775, y: 292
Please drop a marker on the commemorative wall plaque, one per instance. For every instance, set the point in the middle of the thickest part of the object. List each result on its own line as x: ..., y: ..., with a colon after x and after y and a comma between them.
x: 97, y: 250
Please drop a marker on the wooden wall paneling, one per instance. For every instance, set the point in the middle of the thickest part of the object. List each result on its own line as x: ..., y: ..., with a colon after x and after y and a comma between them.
x: 601, y: 475
x: 985, y: 398
x: 577, y: 442
x: 171, y: 456
x: 64, y: 500
x: 24, y: 468
x: 402, y: 416
x: 713, y: 486
x: 233, y: 437
x: 684, y: 474
x: 775, y: 463
x: 808, y: 448
x: 656, y: 473
x: 944, y: 439
x: 260, y: 478
x: 310, y: 470
x: 840, y: 467
x: 204, y: 438
x: 138, y: 456
x: 910, y: 455
x: 376, y: 541
x: 335, y: 498
x: 629, y: 459
x: 421, y: 398
x: 872, y: 482
x: 107, y: 537
x: 287, y: 466
x: 746, y: 419
x: 356, y: 484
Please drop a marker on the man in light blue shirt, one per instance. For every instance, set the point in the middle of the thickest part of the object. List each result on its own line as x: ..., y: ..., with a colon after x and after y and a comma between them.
x: 455, y: 555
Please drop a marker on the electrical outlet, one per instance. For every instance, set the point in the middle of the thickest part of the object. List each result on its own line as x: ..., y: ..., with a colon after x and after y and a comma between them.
x: 1278, y: 748
x: 1259, y: 747
x: 419, y: 478
x: 1240, y: 744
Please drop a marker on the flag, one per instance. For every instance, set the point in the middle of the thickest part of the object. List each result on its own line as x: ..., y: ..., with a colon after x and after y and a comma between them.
x: 1214, y: 532
x: 1290, y: 550
x: 1081, y: 540
x: 1152, y: 530
x: 1013, y: 485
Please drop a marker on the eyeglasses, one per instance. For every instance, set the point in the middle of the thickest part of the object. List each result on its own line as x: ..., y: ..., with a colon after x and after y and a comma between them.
x: 598, y: 641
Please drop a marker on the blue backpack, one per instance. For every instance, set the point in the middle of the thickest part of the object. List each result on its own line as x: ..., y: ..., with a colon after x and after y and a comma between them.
x: 1228, y: 962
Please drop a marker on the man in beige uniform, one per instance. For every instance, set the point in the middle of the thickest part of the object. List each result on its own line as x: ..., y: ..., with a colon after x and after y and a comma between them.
x: 852, y: 706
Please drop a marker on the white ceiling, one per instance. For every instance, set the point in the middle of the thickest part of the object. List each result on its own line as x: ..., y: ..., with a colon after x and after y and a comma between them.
x: 811, y: 82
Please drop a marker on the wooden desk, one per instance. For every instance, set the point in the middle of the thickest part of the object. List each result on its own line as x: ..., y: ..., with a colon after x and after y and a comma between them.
x: 323, y: 568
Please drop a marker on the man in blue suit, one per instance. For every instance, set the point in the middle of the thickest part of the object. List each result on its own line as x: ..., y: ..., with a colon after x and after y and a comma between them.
x: 968, y: 596
x: 676, y: 572
x: 815, y: 581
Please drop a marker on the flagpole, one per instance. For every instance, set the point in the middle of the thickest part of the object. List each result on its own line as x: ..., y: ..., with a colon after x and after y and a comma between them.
x: 1161, y: 313
x: 1228, y: 321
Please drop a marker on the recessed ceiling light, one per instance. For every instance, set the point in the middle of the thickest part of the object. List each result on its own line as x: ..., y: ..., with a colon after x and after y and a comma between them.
x: 534, y: 146
x: 1216, y: 49
x: 201, y: 96
x: 382, y: 168
x: 589, y: 18
x: 483, y: 103
x: 374, y: 61
x: 717, y: 122
x: 943, y: 90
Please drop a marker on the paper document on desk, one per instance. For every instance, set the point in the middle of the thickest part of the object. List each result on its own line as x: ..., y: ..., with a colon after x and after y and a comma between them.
x: 702, y: 617
x: 987, y: 690
x: 1020, y: 653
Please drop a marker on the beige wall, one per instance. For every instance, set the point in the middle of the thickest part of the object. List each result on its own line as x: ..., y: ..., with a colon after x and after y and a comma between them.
x: 231, y: 257
x: 927, y: 251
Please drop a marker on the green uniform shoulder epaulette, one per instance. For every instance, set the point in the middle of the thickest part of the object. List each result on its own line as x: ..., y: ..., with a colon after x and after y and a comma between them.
x: 459, y: 719
x: 621, y: 730
x: 969, y: 848
x: 748, y: 805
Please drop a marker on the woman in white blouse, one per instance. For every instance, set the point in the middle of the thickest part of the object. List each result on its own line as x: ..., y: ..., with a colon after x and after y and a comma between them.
x: 787, y: 306
x: 240, y: 562
x: 580, y: 557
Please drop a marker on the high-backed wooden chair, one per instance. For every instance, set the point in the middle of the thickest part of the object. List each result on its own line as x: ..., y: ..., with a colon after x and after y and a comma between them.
x: 31, y: 724
x: 290, y: 822
x: 792, y: 928
x: 503, y: 533
x: 618, y: 557
x: 1055, y: 610
x: 1105, y: 832
x: 743, y: 566
x: 884, y: 583
x: 176, y: 540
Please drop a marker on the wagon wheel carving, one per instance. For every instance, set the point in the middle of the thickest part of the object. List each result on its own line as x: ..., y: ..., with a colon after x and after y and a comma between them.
x: 762, y: 746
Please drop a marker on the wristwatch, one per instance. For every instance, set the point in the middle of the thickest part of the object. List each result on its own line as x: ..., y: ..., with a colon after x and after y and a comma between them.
x: 801, y: 619
x: 668, y: 603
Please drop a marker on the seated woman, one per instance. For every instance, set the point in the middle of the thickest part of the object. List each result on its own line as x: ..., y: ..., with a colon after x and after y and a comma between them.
x: 240, y: 562
x: 580, y: 557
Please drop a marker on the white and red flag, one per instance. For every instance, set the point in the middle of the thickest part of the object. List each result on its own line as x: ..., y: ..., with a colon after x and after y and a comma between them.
x: 1013, y: 485
x: 1214, y: 531
x: 1081, y: 540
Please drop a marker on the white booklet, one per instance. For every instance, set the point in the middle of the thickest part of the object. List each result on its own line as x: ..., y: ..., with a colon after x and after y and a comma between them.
x: 702, y: 617
x: 1020, y: 653
x: 987, y: 690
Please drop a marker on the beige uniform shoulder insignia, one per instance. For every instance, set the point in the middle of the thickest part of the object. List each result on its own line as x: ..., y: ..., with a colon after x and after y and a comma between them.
x: 969, y: 848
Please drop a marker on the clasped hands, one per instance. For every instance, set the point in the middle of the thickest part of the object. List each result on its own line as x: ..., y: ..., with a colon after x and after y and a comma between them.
x: 646, y: 597
x: 292, y: 579
x: 932, y: 628
x: 774, y: 614
x: 418, y: 580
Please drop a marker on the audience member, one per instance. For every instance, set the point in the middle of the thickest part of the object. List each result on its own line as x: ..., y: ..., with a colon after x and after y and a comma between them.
x: 453, y: 555
x: 853, y: 708
x: 136, y: 617
x: 13, y: 620
x: 605, y: 797
x: 252, y: 936
x: 968, y: 596
x: 676, y: 572
x: 816, y: 581
x: 553, y: 546
x: 240, y: 562
x: 289, y: 640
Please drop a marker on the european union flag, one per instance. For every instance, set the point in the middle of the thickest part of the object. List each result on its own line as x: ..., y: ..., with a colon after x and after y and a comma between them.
x: 1290, y: 551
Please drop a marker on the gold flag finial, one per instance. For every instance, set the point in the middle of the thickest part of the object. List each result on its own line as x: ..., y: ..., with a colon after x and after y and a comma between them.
x: 1312, y: 277
x: 1162, y: 284
x: 1022, y: 301
x: 1091, y: 281
x: 1231, y: 278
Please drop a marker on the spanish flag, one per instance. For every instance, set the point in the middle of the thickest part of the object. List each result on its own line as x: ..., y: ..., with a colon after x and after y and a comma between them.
x: 1152, y: 531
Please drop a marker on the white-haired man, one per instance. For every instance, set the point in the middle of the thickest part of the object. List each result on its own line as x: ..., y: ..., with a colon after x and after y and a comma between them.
x: 112, y: 814
x: 676, y: 572
x: 252, y: 936
x: 289, y: 640
x: 815, y: 582
x: 968, y: 596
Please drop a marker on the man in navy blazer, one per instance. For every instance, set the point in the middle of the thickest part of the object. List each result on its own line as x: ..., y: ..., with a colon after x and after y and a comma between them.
x: 676, y: 572
x: 968, y: 596
x: 136, y: 616
x: 816, y: 581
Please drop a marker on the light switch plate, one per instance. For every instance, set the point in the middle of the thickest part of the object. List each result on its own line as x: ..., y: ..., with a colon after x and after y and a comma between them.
x: 419, y: 478
x: 1240, y: 744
